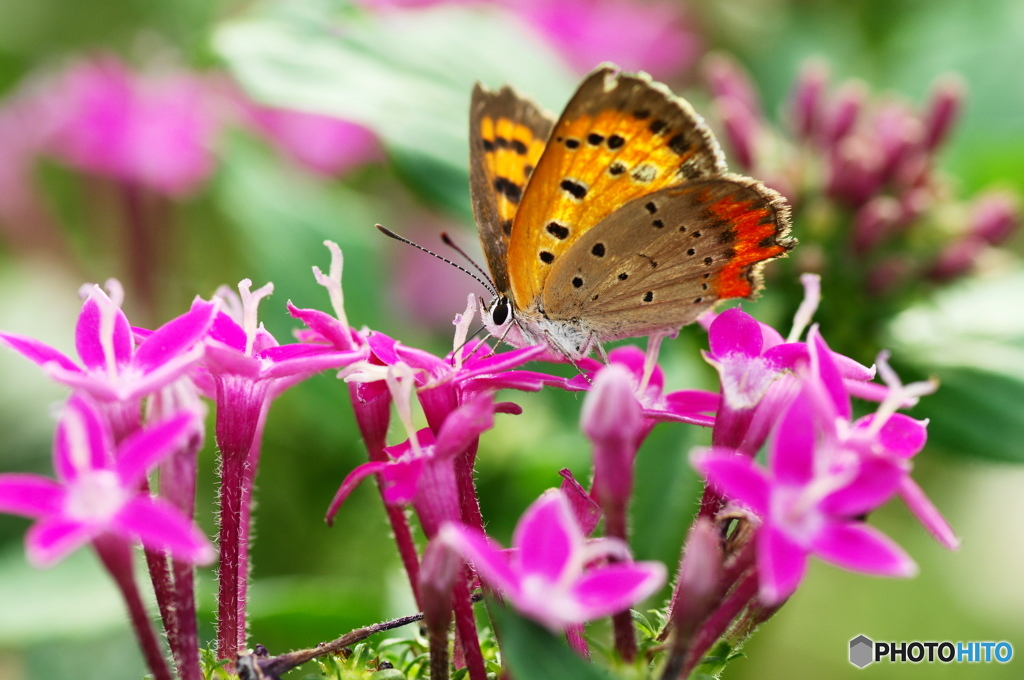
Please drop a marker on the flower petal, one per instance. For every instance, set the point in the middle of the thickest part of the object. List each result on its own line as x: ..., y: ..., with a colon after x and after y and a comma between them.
x: 226, y: 331
x: 791, y: 457
x: 400, y: 480
x: 547, y: 539
x: 781, y: 565
x: 51, y: 540
x: 616, y: 587
x: 30, y: 495
x: 158, y: 525
x: 486, y: 556
x: 38, y: 352
x: 351, y: 482
x: 735, y: 332
x: 823, y: 366
x: 175, y: 337
x: 82, y: 440
x: 735, y: 476
x: 876, y: 481
x: 900, y: 436
x: 89, y: 341
x: 464, y: 425
x: 144, y: 448
x: 859, y: 547
x: 928, y: 514
x: 584, y: 508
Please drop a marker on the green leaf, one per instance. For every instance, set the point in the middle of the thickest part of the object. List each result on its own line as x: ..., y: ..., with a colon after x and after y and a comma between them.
x: 532, y: 652
x: 406, y: 75
x: 976, y: 414
x: 972, y: 339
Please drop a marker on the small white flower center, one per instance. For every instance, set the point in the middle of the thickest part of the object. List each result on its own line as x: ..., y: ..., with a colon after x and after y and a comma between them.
x: 745, y: 380
x: 95, y: 495
x: 795, y: 512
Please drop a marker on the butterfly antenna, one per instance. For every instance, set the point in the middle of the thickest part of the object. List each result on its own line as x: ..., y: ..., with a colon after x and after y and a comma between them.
x: 454, y: 246
x: 486, y: 283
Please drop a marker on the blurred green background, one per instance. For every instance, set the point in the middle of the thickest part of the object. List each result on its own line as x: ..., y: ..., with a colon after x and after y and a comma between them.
x: 406, y: 74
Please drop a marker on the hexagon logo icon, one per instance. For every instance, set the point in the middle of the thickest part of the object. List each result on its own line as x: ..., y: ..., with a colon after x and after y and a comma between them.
x: 861, y: 651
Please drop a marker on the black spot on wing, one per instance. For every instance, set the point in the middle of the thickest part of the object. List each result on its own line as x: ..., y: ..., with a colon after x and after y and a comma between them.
x: 574, y: 188
x: 509, y: 189
x: 557, y: 230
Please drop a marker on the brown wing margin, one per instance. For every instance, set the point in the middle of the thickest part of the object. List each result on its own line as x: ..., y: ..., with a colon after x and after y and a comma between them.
x: 507, y: 135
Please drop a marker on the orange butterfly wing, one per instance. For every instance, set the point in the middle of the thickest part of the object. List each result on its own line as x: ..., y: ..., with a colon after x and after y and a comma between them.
x: 621, y: 137
x: 507, y: 135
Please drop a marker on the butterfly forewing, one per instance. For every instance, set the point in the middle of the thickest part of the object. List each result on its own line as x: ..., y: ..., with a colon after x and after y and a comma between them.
x: 620, y: 137
x: 661, y: 260
x: 507, y: 136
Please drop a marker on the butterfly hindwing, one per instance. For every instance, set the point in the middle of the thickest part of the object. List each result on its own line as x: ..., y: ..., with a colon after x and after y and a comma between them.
x: 661, y: 260
x: 507, y: 136
x: 621, y: 137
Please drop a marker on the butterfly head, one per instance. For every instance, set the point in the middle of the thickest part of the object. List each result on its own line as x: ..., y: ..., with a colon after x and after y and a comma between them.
x: 501, y: 321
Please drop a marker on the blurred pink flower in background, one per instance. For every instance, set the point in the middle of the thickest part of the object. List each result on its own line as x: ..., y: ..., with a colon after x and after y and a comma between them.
x: 153, y: 130
x: 323, y: 144
x: 649, y: 36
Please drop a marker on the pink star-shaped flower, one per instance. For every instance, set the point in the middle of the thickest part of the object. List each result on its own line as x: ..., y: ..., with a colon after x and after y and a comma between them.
x: 97, y: 490
x: 554, y: 574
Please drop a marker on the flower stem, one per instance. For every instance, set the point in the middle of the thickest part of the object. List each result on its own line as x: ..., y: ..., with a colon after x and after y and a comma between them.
x: 116, y: 556
x: 373, y: 417
x: 465, y: 625
x: 622, y: 623
x: 716, y: 624
x: 578, y: 643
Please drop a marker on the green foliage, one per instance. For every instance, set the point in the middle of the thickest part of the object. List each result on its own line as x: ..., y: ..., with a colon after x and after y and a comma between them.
x: 406, y: 76
x: 534, y: 653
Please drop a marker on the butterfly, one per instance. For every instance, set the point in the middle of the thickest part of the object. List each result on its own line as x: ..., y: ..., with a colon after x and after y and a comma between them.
x: 618, y: 220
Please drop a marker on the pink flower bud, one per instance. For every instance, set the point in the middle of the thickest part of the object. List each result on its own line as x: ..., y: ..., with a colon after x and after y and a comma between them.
x: 742, y: 129
x: 873, y: 222
x: 807, y: 99
x: 995, y: 217
x: 728, y: 81
x: 956, y: 259
x: 844, y: 112
x: 612, y: 419
x: 947, y: 100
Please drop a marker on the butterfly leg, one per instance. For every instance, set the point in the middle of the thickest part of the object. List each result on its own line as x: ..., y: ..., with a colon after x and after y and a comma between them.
x: 651, y: 356
x: 601, y: 352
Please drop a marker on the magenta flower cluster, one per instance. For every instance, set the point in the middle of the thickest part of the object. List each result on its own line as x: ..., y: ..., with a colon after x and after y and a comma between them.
x: 870, y: 164
x: 135, y: 407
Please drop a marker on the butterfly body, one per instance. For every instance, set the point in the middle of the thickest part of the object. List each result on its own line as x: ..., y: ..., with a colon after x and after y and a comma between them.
x: 618, y: 220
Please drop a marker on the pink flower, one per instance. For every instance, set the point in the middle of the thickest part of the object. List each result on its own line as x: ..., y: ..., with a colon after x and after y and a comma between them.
x: 114, y: 370
x: 156, y: 131
x: 808, y: 504
x: 649, y: 36
x: 421, y: 471
x: 97, y: 490
x: 824, y: 475
x: 320, y: 143
x: 553, y: 574
x: 647, y: 384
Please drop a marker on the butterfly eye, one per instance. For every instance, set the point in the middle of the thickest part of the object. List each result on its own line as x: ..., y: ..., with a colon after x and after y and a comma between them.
x: 499, y: 315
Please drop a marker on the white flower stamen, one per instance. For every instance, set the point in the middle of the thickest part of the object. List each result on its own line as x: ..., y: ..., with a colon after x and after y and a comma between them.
x: 462, y: 323
x: 332, y: 282
x: 808, y: 306
x: 250, y: 305
x: 899, y: 396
